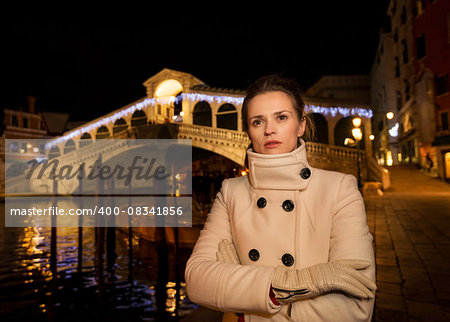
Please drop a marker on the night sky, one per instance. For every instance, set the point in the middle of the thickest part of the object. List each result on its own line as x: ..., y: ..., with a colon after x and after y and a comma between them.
x: 89, y: 62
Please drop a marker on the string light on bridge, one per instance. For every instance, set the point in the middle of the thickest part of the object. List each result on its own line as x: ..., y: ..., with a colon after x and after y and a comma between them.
x: 193, y: 98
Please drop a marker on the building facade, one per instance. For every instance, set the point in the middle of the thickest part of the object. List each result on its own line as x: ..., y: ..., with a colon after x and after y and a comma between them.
x: 431, y: 31
x: 383, y: 97
x: 409, y: 79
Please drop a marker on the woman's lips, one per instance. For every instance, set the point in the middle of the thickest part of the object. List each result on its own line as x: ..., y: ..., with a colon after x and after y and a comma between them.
x: 272, y: 144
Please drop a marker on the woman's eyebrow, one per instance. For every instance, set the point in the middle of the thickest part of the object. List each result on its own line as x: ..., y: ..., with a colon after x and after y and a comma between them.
x: 279, y: 112
x: 276, y: 113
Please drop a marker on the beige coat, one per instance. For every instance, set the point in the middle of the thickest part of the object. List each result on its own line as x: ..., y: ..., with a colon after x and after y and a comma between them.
x: 327, y: 222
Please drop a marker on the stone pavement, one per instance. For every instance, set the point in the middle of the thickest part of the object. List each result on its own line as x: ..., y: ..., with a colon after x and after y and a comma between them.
x: 411, y: 228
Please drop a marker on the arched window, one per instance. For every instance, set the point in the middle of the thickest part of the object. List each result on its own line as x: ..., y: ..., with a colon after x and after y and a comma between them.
x: 227, y: 117
x: 54, y: 153
x: 321, y: 126
x: 138, y: 118
x: 343, y: 130
x: 86, y: 139
x: 202, y: 114
x: 119, y: 126
x: 178, y: 104
x: 102, y: 133
x: 69, y: 146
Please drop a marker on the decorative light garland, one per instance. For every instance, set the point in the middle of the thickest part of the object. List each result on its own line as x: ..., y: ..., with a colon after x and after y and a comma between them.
x: 344, y: 111
x: 105, y: 120
x: 194, y: 97
x: 197, y: 97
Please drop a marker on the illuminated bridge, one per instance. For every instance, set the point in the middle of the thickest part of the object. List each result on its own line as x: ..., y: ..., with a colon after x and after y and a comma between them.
x: 179, y: 105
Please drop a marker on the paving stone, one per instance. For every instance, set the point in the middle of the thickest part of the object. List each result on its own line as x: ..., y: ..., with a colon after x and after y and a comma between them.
x: 386, y: 315
x: 389, y: 288
x: 390, y: 302
x: 385, y: 252
x: 419, y: 291
x: 421, y: 311
x: 386, y: 261
x: 441, y: 282
x: 415, y: 272
x: 389, y: 274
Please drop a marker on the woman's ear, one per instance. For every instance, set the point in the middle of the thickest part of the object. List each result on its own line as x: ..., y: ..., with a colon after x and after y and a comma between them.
x: 302, y: 127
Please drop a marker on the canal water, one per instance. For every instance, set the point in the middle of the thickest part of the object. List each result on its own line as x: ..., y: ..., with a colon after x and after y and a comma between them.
x: 36, y: 284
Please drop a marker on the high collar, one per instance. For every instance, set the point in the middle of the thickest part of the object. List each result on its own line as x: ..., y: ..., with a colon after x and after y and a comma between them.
x: 285, y: 171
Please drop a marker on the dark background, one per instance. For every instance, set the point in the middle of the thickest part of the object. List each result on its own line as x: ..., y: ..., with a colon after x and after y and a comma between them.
x: 88, y: 62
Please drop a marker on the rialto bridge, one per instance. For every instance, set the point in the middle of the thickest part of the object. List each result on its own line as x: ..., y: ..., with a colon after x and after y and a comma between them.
x: 179, y: 105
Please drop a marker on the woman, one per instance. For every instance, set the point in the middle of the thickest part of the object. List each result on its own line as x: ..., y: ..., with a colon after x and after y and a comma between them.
x: 287, y: 241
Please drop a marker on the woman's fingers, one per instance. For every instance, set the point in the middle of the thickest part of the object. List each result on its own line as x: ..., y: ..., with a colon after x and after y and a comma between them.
x: 360, y: 277
x: 352, y: 286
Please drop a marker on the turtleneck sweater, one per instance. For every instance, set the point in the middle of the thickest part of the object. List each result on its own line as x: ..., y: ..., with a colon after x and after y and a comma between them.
x: 284, y: 171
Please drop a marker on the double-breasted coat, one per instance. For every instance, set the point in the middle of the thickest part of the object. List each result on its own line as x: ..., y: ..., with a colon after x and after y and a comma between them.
x: 284, y: 212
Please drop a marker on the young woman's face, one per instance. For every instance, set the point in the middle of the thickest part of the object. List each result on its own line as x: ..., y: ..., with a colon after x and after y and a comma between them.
x: 273, y: 123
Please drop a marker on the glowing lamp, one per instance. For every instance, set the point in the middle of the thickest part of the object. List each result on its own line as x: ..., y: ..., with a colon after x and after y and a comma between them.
x: 371, y: 137
x: 349, y: 141
x: 356, y: 122
x: 389, y: 115
x: 357, y: 133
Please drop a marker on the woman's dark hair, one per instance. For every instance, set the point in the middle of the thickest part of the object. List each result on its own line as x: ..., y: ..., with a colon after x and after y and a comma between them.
x: 275, y: 83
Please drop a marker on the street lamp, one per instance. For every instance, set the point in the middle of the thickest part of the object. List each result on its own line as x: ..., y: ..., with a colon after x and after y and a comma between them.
x: 357, y: 134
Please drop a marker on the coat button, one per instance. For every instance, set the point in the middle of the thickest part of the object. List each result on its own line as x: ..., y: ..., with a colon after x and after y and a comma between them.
x: 253, y: 254
x: 261, y: 202
x: 288, y: 205
x: 305, y: 173
x: 287, y: 259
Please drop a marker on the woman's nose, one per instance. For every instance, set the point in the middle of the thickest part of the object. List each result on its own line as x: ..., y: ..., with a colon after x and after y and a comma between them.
x: 270, y: 128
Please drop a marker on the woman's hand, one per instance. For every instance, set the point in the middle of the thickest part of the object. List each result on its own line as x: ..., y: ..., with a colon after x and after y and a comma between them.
x: 342, y: 275
x: 227, y: 252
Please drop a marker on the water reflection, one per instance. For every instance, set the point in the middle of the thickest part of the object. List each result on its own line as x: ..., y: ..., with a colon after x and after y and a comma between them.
x: 31, y: 289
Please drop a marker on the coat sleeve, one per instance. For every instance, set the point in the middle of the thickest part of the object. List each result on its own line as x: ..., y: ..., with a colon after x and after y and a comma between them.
x: 349, y: 239
x: 224, y: 286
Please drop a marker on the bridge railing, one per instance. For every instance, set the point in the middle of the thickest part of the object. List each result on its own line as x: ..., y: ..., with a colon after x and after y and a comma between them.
x: 334, y: 151
x: 207, y: 131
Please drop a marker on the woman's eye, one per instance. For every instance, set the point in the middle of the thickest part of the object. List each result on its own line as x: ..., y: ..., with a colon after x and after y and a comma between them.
x: 282, y: 117
x: 256, y: 122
